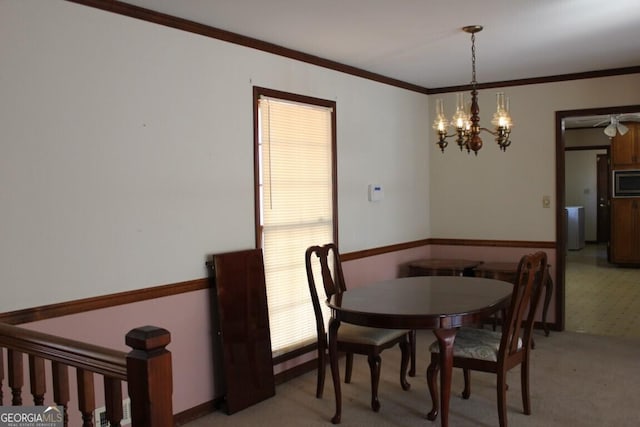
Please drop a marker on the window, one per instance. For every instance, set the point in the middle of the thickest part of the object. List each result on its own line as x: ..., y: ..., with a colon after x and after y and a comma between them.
x: 295, y: 204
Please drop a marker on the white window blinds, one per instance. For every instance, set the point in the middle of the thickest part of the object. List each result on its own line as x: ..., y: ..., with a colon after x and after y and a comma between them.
x: 296, y: 209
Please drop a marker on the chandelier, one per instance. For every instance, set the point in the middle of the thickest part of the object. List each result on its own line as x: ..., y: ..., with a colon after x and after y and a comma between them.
x: 467, y: 126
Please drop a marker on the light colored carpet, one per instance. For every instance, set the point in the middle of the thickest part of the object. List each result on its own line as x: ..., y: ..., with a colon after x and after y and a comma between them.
x: 577, y: 380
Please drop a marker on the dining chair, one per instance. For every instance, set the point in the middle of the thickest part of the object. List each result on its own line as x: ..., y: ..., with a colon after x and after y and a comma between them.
x: 352, y: 339
x: 498, y: 351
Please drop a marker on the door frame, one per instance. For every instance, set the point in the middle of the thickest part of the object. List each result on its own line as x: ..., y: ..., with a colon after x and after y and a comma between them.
x: 561, y: 249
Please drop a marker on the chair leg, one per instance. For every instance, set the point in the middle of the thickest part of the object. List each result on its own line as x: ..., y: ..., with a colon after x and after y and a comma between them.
x: 322, y: 364
x: 467, y: 383
x: 348, y: 368
x: 412, y: 344
x: 432, y: 382
x: 524, y: 379
x: 374, y: 366
x: 405, y: 349
x: 502, y: 399
x: 503, y: 317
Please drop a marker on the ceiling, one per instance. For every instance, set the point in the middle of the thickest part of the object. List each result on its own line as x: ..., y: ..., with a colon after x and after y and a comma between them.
x: 421, y: 41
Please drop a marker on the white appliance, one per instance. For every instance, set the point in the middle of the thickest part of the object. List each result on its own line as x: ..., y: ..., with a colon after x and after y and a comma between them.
x: 575, y: 227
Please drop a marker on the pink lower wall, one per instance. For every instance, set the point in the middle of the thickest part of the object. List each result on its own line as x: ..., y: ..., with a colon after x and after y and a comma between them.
x: 187, y: 317
x: 362, y: 271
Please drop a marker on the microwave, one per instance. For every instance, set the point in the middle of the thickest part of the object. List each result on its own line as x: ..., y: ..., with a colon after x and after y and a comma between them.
x: 626, y: 183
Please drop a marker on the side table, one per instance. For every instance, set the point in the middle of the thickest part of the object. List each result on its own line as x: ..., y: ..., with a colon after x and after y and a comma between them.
x: 443, y: 267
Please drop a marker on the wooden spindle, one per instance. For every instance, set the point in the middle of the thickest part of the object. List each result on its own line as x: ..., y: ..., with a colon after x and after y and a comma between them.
x: 1, y: 375
x: 61, y: 393
x: 113, y: 400
x: 15, y: 376
x: 149, y: 377
x: 37, y: 379
x: 86, y: 396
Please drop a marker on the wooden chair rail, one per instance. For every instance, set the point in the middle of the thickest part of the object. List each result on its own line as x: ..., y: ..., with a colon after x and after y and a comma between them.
x: 146, y: 369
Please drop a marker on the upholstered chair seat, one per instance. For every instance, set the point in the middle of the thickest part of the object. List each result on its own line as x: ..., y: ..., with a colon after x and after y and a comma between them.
x: 368, y: 336
x: 475, y: 343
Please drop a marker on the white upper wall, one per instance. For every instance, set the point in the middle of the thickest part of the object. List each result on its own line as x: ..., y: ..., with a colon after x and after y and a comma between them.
x: 498, y: 195
x: 127, y: 152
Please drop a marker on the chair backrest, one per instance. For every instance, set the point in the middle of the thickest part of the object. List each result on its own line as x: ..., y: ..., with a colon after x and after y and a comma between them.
x: 333, y: 283
x: 532, y: 272
x: 327, y: 255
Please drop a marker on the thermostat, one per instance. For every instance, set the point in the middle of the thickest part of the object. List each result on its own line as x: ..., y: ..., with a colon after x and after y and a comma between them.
x: 376, y: 193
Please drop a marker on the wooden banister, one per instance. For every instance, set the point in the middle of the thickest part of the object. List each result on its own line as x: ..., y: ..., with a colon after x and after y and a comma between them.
x: 101, y: 360
x: 146, y: 369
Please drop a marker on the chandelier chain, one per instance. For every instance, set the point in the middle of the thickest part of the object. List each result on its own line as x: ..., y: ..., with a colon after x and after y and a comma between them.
x: 473, y: 60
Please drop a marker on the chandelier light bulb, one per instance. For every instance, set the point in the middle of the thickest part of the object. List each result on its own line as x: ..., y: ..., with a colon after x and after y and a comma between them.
x: 440, y: 123
x: 501, y: 118
x: 461, y: 118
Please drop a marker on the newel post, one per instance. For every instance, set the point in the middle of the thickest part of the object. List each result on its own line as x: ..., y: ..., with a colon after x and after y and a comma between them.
x: 149, y: 377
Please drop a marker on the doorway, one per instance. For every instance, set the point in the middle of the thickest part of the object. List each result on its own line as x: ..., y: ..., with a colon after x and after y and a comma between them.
x: 561, y: 227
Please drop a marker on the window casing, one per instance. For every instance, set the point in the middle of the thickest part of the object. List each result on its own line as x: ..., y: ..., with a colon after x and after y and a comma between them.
x: 295, y: 189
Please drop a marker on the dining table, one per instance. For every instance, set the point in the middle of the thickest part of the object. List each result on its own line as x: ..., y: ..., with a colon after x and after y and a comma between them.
x: 439, y: 303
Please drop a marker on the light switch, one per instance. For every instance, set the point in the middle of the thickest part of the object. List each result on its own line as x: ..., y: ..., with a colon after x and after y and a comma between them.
x: 546, y: 201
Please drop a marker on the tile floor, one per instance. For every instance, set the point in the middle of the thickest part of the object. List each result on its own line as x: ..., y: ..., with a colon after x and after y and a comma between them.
x: 601, y: 299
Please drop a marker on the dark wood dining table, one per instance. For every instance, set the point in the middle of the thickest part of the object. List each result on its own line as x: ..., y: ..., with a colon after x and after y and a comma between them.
x: 440, y: 303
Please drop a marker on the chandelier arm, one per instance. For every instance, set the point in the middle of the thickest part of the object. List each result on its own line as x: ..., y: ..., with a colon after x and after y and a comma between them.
x: 494, y: 133
x: 450, y: 135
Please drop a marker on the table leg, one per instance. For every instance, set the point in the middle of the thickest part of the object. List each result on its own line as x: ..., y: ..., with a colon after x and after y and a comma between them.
x: 335, y: 372
x: 445, y: 338
x: 412, y: 345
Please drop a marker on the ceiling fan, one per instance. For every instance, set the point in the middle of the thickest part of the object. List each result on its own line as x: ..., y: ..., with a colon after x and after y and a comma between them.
x: 613, y: 126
